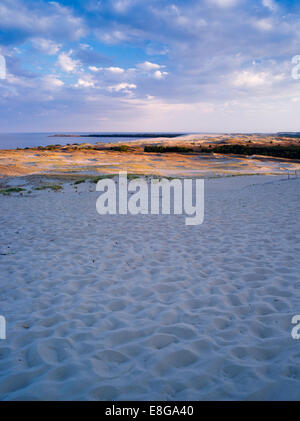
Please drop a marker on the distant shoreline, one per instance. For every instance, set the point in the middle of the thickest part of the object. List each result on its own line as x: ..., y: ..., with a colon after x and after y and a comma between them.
x: 32, y: 140
x: 127, y: 135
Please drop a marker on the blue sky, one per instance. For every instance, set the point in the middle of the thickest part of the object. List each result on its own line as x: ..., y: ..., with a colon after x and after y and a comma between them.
x: 149, y: 65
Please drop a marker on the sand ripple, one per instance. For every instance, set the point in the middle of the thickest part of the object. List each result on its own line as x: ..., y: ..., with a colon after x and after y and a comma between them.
x: 102, y: 308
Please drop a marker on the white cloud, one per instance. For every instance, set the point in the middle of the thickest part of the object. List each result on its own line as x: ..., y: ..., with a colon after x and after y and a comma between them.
x: 156, y: 50
x: 122, y: 6
x: 116, y: 70
x: 264, y: 24
x: 148, y: 66
x: 85, y: 46
x: 125, y: 87
x: 85, y: 83
x: 52, y: 82
x: 46, y: 45
x: 112, y: 37
x: 270, y: 4
x: 66, y: 63
x: 224, y: 3
x: 159, y: 75
x: 19, y: 81
x: 119, y: 32
x: 41, y: 20
x: 73, y: 24
x: 153, y: 69
x: 249, y: 79
x: 95, y: 69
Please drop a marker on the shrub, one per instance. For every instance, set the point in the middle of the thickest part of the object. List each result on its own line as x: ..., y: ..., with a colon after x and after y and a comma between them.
x: 101, y: 177
x: 80, y: 181
x: 290, y: 152
x: 9, y: 190
x: 121, y: 148
x: 54, y: 187
x: 167, y: 149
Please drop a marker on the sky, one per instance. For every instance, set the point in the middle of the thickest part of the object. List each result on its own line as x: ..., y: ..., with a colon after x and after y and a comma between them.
x: 149, y: 65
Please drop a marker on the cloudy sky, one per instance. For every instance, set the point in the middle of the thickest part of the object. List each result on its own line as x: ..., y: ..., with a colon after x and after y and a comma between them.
x: 149, y: 65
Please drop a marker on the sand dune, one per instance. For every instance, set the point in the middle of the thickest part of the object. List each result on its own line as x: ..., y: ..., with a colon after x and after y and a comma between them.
x: 88, y: 159
x: 144, y: 307
x: 93, y: 162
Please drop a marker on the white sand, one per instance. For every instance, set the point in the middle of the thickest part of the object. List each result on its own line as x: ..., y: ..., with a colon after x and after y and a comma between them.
x: 146, y: 308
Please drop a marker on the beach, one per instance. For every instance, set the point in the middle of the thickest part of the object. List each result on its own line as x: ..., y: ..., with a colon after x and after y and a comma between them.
x: 123, y: 307
x: 149, y: 206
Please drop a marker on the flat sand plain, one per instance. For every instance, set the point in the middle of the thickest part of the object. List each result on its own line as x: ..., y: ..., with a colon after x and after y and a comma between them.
x: 144, y: 307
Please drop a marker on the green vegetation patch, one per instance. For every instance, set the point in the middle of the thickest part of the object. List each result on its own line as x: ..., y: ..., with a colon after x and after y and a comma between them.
x: 9, y: 190
x: 289, y: 152
x: 121, y: 148
x: 83, y: 180
x: 49, y: 147
x: 167, y: 149
x: 53, y: 187
x: 130, y: 176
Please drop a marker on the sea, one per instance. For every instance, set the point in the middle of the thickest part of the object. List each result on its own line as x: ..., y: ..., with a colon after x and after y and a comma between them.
x: 30, y: 140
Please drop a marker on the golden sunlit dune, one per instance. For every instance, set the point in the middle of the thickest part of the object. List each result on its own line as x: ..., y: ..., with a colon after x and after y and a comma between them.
x: 88, y: 159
